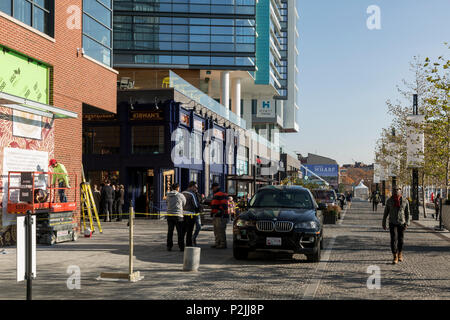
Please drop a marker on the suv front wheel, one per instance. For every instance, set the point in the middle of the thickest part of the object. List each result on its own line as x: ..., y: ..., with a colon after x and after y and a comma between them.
x: 315, y: 257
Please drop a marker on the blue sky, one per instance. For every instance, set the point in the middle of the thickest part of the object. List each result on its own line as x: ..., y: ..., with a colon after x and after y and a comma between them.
x: 347, y: 71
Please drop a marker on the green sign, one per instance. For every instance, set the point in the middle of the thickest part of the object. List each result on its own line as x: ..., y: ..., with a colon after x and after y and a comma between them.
x: 23, y: 77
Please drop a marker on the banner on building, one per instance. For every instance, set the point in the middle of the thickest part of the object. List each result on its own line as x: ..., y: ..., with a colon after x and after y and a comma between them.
x: 23, y: 77
x: 27, y: 125
x: 323, y: 170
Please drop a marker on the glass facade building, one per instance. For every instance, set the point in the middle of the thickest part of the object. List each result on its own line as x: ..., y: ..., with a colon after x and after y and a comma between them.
x: 97, y: 30
x: 187, y: 33
x: 271, y: 45
x: 38, y: 14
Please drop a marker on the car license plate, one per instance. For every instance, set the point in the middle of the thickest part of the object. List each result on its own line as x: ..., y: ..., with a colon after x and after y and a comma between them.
x: 273, y: 241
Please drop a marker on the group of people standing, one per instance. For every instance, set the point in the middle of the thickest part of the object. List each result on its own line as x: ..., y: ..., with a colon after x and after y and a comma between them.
x: 109, y: 200
x: 183, y: 214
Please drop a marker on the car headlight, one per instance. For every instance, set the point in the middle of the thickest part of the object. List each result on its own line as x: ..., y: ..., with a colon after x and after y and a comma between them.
x: 306, y: 225
x: 245, y: 223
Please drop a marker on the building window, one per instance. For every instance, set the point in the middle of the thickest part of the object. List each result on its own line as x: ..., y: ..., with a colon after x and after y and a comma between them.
x: 35, y: 13
x: 101, y: 140
x: 196, y: 148
x: 97, y: 30
x: 147, y: 139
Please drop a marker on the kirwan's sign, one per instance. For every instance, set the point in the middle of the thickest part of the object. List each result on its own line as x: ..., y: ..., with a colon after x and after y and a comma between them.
x: 146, y: 116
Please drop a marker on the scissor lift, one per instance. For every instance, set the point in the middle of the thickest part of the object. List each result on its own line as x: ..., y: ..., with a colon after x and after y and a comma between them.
x: 55, y: 222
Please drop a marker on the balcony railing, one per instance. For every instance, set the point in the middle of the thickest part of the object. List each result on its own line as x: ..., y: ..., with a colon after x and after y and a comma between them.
x: 185, y: 88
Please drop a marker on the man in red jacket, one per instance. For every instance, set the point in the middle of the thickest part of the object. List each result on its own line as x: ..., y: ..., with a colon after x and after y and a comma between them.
x: 219, y: 212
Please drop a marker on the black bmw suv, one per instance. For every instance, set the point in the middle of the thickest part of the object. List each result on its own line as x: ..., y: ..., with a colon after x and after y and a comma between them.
x: 283, y: 219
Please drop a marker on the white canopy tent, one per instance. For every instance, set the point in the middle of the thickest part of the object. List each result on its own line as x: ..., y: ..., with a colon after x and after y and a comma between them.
x: 361, y: 191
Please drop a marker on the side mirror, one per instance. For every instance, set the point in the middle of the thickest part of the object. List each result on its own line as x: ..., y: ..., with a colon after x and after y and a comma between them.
x: 322, y: 206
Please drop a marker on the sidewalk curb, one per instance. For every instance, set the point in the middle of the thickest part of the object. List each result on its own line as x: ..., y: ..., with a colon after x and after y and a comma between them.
x: 437, y: 233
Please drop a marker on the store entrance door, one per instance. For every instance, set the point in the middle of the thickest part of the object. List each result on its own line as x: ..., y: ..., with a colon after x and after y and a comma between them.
x: 142, y: 183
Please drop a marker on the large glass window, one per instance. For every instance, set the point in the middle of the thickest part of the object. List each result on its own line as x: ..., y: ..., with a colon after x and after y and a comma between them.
x: 195, y: 30
x: 35, y: 13
x: 101, y: 140
x: 97, y: 30
x: 147, y: 139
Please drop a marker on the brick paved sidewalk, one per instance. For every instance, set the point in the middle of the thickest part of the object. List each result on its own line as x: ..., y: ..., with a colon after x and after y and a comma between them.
x: 351, y: 247
x: 362, y: 243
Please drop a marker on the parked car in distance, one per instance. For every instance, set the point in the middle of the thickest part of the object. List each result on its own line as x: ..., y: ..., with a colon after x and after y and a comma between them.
x: 281, y: 219
x: 328, y: 197
x: 325, y: 196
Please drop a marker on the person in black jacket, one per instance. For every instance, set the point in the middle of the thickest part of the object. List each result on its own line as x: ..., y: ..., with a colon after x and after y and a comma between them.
x: 107, y: 199
x: 437, y: 205
x: 190, y: 211
x: 120, y: 196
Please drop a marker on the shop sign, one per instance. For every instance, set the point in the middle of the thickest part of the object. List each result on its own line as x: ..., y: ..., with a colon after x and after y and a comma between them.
x: 146, y: 116
x: 23, y: 77
x: 219, y: 134
x: 199, y: 125
x: 185, y: 119
x: 265, y: 109
x: 168, y: 180
x: 99, y: 117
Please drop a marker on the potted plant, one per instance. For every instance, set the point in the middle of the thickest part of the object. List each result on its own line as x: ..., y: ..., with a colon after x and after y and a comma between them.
x: 330, y: 215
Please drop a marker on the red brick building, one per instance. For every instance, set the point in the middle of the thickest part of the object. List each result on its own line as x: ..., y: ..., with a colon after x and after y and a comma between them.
x: 73, y: 44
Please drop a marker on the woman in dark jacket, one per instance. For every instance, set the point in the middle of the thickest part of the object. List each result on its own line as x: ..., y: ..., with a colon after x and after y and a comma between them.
x: 437, y: 205
x: 120, y: 196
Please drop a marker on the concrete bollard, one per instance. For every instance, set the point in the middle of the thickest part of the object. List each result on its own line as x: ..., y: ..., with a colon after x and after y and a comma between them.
x: 191, y: 260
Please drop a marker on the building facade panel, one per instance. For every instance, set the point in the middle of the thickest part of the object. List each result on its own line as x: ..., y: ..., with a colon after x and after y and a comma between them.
x: 74, y: 77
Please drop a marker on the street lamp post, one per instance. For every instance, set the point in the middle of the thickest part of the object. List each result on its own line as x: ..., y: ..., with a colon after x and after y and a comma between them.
x: 394, y: 178
x: 415, y: 175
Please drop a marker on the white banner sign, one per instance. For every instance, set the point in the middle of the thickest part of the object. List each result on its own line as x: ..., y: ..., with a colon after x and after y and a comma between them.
x: 415, y: 142
x: 393, y: 160
x: 15, y: 159
x: 376, y: 173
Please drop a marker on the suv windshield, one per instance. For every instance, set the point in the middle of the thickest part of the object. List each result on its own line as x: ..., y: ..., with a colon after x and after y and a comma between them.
x: 276, y: 198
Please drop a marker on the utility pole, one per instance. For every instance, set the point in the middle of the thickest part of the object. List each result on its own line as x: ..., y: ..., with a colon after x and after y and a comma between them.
x: 415, y: 175
x: 394, y: 178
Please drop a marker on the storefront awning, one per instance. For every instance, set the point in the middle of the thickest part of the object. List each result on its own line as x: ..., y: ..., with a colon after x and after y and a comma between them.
x: 40, y: 109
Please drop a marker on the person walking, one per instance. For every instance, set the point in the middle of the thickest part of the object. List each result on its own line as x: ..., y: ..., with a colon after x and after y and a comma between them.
x: 397, y: 209
x: 115, y: 198
x: 120, y: 194
x: 191, y: 210
x: 198, y: 219
x: 219, y: 212
x: 175, y: 203
x: 437, y: 205
x: 60, y: 174
x: 375, y: 201
x: 107, y: 196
